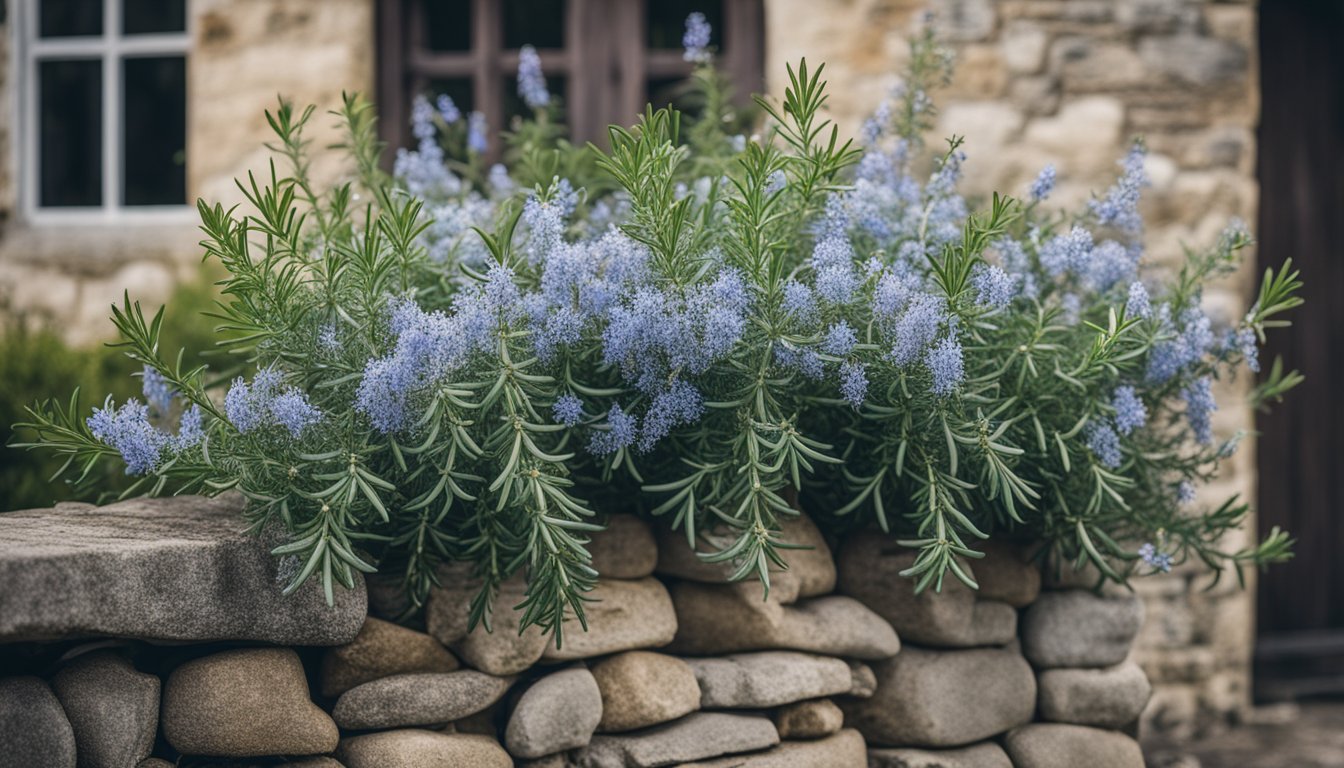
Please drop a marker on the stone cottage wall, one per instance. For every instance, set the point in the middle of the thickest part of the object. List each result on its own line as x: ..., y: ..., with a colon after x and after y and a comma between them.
x: 243, y: 53
x: 1072, y: 82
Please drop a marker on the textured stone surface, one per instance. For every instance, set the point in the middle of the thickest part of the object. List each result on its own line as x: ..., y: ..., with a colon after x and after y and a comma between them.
x: 870, y: 563
x: 640, y: 689
x: 1007, y: 574
x: 623, y: 615
x: 842, y: 750
x: 1111, y: 697
x: 112, y: 708
x: 161, y: 569
x: 862, y: 681
x: 985, y: 755
x: 724, y: 618
x: 36, y: 732
x: 413, y: 748
x: 418, y: 699
x: 694, y: 737
x: 625, y: 550
x: 381, y: 649
x: 500, y: 651
x: 945, y: 698
x: 1075, y: 628
x: 155, y: 762
x: 560, y: 711
x: 814, y: 568
x: 809, y: 719
x: 244, y: 703
x: 1054, y: 745
x: 767, y: 679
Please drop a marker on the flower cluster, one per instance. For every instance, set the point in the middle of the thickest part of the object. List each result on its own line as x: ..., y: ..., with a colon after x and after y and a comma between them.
x: 711, y: 332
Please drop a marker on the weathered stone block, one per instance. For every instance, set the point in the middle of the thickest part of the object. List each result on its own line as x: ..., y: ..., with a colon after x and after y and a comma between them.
x: 945, y: 698
x: 177, y: 569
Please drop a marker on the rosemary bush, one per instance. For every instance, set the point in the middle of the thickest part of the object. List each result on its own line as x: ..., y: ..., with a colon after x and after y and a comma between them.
x: 463, y: 363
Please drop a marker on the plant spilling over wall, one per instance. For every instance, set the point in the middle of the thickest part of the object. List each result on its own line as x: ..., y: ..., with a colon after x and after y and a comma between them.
x: 462, y: 363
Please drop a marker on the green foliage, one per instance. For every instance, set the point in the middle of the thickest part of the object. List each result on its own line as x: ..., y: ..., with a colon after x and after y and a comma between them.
x: 459, y: 364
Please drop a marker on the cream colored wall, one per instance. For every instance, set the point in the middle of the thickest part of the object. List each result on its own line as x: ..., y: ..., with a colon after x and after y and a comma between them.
x: 243, y: 53
x: 1072, y: 82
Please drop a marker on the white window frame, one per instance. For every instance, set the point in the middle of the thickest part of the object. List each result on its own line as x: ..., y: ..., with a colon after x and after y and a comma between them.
x: 111, y: 48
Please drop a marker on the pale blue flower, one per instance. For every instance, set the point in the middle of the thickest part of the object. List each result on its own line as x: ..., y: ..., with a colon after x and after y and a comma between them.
x: 1199, y: 408
x: 1067, y: 253
x: 1119, y: 208
x: 1104, y: 444
x: 622, y: 431
x: 994, y: 287
x: 917, y: 328
x: 1160, y: 561
x: 477, y: 128
x: 853, y: 383
x: 568, y: 409
x: 679, y: 404
x: 1138, y: 304
x: 696, y: 39
x: 799, y: 302
x: 1044, y: 183
x: 448, y: 109
x: 840, y: 339
x: 531, y: 81
x: 1130, y: 413
x: 159, y: 394
x: 127, y: 429
x: 945, y: 364
x: 1185, y: 492
x: 291, y: 410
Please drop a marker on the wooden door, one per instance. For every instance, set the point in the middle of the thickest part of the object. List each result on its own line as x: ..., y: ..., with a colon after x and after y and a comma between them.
x: 1300, y: 651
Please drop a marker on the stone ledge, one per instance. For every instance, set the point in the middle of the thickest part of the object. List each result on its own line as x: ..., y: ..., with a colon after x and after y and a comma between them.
x: 178, y: 569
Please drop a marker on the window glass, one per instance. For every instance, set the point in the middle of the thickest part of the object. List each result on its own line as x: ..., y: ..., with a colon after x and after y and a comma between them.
x: 667, y: 21
x: 155, y: 131
x: 459, y: 90
x: 449, y: 24
x: 70, y: 126
x: 142, y: 17
x: 539, y: 23
x: 69, y: 18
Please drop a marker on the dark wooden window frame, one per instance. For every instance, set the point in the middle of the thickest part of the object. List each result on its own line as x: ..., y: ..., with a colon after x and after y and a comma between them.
x: 605, y: 62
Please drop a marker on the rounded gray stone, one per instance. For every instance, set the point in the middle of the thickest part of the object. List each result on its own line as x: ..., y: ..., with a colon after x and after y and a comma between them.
x: 983, y: 755
x: 768, y: 679
x: 812, y: 566
x: 623, y: 616
x: 725, y: 618
x: 413, y: 748
x: 426, y: 698
x: 560, y: 711
x: 870, y: 563
x: 1076, y: 628
x: 35, y: 730
x: 625, y: 549
x: 1111, y: 697
x: 642, y: 688
x: 809, y: 719
x: 948, y: 698
x: 694, y: 737
x: 840, y: 750
x: 113, y: 709
x: 380, y: 650
x: 1056, y: 745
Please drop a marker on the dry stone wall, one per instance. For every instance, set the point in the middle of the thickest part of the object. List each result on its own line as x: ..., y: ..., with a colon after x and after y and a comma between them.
x: 841, y: 666
x: 1072, y: 82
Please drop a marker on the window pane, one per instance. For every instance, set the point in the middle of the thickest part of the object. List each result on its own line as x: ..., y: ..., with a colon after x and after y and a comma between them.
x: 448, y: 24
x: 69, y: 133
x: 539, y: 23
x: 667, y: 21
x: 457, y: 90
x: 69, y: 18
x: 141, y: 17
x: 155, y: 157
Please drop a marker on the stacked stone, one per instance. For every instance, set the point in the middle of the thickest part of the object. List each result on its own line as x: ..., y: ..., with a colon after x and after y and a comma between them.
x: 964, y: 690
x: 679, y: 665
